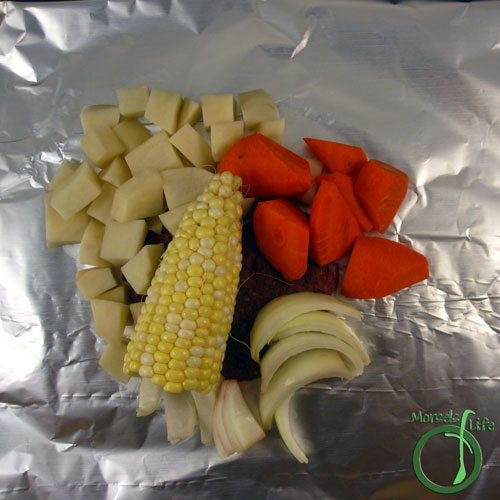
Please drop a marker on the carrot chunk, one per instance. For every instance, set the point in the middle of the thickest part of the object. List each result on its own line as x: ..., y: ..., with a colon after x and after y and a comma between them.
x: 338, y: 157
x: 333, y: 225
x: 345, y: 183
x: 282, y: 235
x: 379, y: 267
x: 381, y: 188
x: 267, y: 168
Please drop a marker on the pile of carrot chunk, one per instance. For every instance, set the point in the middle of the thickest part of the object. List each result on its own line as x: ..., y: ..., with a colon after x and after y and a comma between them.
x: 354, y: 196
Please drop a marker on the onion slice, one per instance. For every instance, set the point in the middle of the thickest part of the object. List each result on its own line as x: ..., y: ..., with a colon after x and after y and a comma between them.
x: 283, y: 350
x: 240, y: 425
x: 221, y: 439
x: 323, y: 322
x: 205, y: 407
x: 280, y: 310
x: 298, y: 371
x: 180, y: 415
x: 282, y: 417
x: 149, y: 397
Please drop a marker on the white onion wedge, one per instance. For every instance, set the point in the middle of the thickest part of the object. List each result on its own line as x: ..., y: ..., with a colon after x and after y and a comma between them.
x: 240, y: 425
x: 283, y: 350
x: 302, y: 369
x: 149, y: 397
x: 280, y: 310
x: 323, y: 322
x: 205, y: 407
x: 221, y: 440
x: 282, y: 417
x: 180, y: 415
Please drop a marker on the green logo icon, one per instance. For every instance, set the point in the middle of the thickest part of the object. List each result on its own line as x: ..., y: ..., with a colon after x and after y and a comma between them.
x: 467, y: 441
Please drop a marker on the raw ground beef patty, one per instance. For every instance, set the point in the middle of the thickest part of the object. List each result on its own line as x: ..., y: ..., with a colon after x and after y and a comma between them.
x: 260, y: 283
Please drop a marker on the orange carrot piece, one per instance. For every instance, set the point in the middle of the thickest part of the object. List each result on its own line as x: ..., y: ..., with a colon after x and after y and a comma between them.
x: 282, y: 234
x: 333, y: 225
x: 338, y: 157
x: 381, y: 188
x: 345, y: 183
x: 379, y: 267
x: 267, y: 168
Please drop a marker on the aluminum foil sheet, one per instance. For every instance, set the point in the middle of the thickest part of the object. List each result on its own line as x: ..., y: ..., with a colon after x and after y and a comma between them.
x: 415, y: 84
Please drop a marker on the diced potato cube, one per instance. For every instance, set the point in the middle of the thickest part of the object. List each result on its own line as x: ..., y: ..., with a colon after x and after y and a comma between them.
x: 173, y: 217
x: 257, y: 106
x: 100, y: 208
x: 110, y: 318
x: 112, y: 361
x: 135, y: 310
x: 65, y: 170
x: 155, y: 154
x: 77, y: 192
x: 217, y: 108
x: 274, y: 129
x: 90, y: 247
x: 223, y: 135
x: 59, y: 231
x: 140, y: 197
x: 116, y: 173
x: 139, y: 270
x: 122, y: 241
x: 154, y: 224
x: 94, y: 281
x: 190, y: 113
x: 132, y: 100
x: 98, y: 115
x: 184, y: 185
x: 131, y: 133
x: 101, y: 145
x: 163, y: 109
x: 117, y: 294
x: 192, y: 145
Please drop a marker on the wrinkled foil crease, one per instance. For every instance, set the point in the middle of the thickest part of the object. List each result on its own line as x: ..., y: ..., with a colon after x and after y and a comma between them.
x: 415, y: 84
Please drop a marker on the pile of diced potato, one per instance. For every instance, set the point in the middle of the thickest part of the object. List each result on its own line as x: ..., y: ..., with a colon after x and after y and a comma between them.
x: 147, y: 158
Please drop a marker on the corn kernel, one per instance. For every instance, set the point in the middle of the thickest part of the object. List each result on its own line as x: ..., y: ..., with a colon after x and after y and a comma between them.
x: 206, y: 363
x: 218, y: 355
x: 173, y: 387
x: 160, y: 368
x: 175, y: 364
x: 179, y: 353
x: 191, y: 314
x: 182, y: 342
x: 205, y: 311
x: 198, y: 341
x: 135, y: 354
x: 179, y: 297
x: 205, y: 374
x: 193, y: 293
x: 162, y: 356
x: 195, y: 281
x: 190, y: 385
x: 150, y: 348
x: 146, y: 371
x: 134, y: 366
x: 203, y: 386
x: 201, y: 332
x: 158, y: 380
x: 193, y: 361
x: 174, y: 375
x: 165, y: 299
x: 180, y: 242
x: 209, y: 277
x: 185, y: 253
x: 176, y: 307
x: 210, y: 340
x: 207, y: 300
x: 214, y: 377
x: 182, y: 274
x: 169, y: 337
x: 195, y: 270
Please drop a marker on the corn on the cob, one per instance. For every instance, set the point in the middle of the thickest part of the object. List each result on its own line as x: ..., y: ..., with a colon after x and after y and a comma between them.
x: 180, y: 337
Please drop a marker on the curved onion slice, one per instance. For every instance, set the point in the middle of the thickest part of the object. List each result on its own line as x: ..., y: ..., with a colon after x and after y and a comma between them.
x: 280, y: 310
x: 282, y: 417
x: 149, y: 397
x: 221, y: 440
x: 240, y: 425
x: 283, y: 350
x: 323, y: 322
x: 297, y: 372
x: 205, y: 407
x: 180, y: 415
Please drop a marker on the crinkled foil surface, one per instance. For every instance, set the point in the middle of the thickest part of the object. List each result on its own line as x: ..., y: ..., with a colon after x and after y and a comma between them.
x: 416, y: 84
